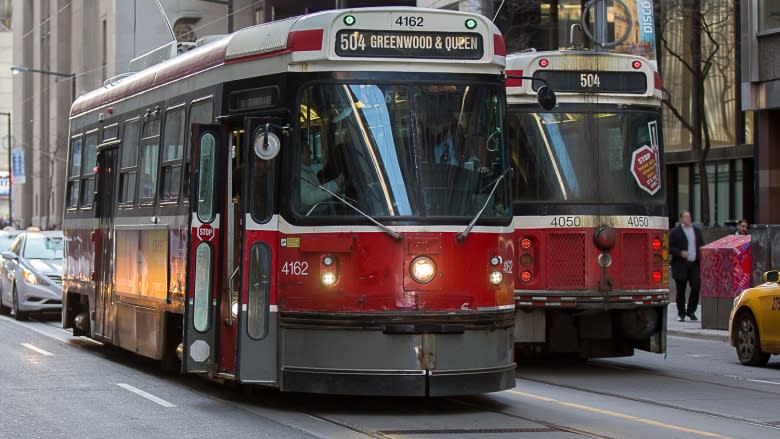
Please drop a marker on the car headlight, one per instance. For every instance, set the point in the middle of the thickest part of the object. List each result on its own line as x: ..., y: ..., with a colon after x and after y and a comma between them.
x: 30, y: 277
x: 423, y: 269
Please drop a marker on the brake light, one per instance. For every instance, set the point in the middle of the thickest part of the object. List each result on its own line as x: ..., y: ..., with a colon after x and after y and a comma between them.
x: 526, y: 276
x: 636, y: 65
x: 656, y: 244
x: 544, y: 62
x: 657, y: 276
x: 526, y: 243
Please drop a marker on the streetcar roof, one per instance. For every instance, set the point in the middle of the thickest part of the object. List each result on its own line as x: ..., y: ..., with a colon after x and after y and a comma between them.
x: 308, y: 41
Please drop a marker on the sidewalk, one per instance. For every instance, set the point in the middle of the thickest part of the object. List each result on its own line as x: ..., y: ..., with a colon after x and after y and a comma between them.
x: 691, y: 329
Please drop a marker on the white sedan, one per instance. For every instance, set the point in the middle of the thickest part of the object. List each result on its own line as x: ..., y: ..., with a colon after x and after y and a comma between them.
x: 31, y: 274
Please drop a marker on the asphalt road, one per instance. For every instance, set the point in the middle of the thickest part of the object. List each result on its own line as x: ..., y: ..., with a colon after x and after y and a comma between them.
x: 56, y: 386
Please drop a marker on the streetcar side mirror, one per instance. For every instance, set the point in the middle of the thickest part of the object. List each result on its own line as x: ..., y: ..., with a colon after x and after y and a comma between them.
x: 772, y: 276
x: 545, y: 96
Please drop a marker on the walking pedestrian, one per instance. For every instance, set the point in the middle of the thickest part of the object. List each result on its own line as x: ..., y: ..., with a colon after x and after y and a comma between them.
x: 685, y: 242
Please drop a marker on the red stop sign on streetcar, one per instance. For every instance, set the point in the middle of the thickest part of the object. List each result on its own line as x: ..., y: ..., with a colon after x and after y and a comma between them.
x: 645, y: 169
x: 205, y: 232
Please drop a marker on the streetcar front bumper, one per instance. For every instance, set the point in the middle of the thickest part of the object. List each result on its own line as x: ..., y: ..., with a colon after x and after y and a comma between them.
x: 439, y: 359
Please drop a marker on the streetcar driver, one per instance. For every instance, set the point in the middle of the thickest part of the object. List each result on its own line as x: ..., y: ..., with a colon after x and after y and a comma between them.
x: 309, y: 192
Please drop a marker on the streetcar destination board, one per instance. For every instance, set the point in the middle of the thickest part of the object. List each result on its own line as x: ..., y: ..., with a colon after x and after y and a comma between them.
x: 589, y: 82
x: 400, y: 44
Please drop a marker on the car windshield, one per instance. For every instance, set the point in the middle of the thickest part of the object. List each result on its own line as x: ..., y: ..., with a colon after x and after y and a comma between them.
x: 612, y: 157
x: 43, y: 247
x: 401, y: 151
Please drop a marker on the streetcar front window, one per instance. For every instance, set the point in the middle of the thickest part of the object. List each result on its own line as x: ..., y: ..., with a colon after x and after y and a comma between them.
x: 400, y: 151
x: 611, y: 157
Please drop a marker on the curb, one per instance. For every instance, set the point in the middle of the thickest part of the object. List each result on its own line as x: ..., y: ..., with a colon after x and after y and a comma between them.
x: 695, y: 334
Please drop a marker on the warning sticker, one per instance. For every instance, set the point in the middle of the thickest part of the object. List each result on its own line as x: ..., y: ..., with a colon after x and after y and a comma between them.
x: 645, y: 169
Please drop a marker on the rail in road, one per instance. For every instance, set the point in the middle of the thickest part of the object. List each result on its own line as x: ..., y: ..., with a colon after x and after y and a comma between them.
x: 688, y: 395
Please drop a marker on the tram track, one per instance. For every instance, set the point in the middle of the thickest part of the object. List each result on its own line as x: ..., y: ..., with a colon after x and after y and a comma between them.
x: 768, y: 425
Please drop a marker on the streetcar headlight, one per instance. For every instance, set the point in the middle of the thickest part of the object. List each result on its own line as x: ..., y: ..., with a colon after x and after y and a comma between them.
x: 604, y: 260
x: 328, y: 260
x: 423, y: 269
x: 234, y: 308
x: 30, y: 277
x: 328, y: 278
x: 496, y: 277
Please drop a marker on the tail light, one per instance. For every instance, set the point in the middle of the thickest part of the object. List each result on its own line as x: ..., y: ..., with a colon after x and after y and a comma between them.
x: 526, y: 259
x: 659, y: 248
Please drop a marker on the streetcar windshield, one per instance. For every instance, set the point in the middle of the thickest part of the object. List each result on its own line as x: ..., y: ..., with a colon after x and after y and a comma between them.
x: 600, y: 157
x: 401, y: 151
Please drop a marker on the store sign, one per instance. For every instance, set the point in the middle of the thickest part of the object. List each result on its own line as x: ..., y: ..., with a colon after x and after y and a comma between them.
x: 645, y: 169
x: 5, y: 184
x: 17, y: 166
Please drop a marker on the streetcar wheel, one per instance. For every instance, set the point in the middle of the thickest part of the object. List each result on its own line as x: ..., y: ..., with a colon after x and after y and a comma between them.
x: 748, y: 343
x: 18, y: 315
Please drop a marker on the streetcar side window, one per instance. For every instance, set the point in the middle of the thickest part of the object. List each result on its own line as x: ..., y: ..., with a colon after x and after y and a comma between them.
x: 88, y: 170
x: 259, y: 291
x: 200, y: 112
x: 110, y: 132
x: 149, y: 160
x: 172, y: 154
x: 129, y: 161
x: 74, y: 172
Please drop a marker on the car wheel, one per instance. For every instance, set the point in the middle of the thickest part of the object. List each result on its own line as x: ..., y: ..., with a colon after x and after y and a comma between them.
x: 18, y: 315
x: 748, y: 342
x: 4, y: 310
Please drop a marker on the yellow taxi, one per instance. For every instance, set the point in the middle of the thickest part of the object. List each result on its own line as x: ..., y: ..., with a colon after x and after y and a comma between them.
x: 754, y: 323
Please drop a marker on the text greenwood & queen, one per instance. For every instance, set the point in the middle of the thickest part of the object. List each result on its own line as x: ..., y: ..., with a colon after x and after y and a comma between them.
x: 399, y: 44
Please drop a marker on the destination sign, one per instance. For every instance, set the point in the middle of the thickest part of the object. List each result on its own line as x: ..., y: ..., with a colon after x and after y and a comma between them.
x: 400, y: 44
x: 592, y: 82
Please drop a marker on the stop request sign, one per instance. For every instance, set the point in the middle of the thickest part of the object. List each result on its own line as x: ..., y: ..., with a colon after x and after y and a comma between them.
x: 645, y: 169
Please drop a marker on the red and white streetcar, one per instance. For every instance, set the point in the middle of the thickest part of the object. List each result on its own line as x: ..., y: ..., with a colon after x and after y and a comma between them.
x: 318, y: 204
x: 590, y: 209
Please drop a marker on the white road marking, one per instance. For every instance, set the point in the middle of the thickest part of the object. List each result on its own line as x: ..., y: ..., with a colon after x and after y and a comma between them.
x: 698, y: 355
x: 765, y: 382
x: 148, y: 396
x: 37, y: 329
x: 36, y: 349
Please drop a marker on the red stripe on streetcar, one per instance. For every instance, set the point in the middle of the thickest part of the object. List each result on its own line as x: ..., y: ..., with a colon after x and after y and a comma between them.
x: 499, y: 48
x: 514, y: 82
x: 305, y: 40
x: 659, y: 85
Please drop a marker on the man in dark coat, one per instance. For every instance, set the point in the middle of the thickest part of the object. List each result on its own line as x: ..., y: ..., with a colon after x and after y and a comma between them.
x: 685, y: 242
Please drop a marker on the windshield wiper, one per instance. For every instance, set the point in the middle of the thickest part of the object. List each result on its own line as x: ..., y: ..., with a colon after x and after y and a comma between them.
x: 389, y: 231
x: 465, y: 233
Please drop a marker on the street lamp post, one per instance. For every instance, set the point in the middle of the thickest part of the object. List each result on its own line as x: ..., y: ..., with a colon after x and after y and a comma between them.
x: 10, y: 185
x: 16, y: 69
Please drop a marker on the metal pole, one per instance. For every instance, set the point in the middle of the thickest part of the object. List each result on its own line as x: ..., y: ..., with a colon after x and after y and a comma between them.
x: 10, y: 186
x: 230, y: 16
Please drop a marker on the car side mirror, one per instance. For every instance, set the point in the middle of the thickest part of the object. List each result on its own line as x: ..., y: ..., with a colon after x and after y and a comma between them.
x: 9, y: 255
x: 772, y: 276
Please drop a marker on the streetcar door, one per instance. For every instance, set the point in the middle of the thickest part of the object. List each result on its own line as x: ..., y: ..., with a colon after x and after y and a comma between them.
x: 207, y: 176
x: 105, y: 201
x: 257, y: 316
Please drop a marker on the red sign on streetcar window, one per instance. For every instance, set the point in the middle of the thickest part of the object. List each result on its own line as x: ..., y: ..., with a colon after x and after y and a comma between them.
x: 644, y: 167
x: 205, y: 232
